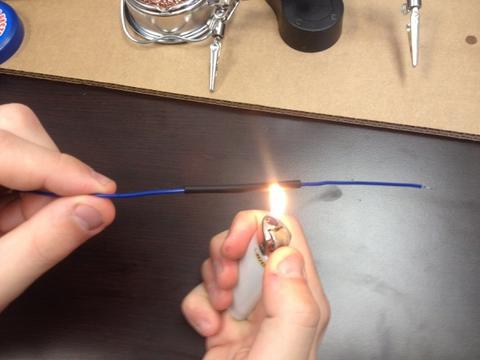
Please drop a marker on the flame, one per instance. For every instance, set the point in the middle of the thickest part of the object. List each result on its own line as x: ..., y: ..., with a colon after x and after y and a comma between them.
x: 278, y: 200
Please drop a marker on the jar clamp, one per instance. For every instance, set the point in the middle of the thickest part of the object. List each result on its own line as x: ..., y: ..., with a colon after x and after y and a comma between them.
x: 177, y: 22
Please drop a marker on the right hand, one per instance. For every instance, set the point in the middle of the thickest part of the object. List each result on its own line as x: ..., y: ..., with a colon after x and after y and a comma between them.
x: 289, y: 321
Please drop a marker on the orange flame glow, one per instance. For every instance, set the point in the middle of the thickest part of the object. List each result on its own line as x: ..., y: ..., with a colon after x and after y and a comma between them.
x: 278, y: 200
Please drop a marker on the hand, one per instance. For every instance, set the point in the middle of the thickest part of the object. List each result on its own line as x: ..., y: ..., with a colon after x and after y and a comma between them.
x: 36, y: 232
x: 290, y: 319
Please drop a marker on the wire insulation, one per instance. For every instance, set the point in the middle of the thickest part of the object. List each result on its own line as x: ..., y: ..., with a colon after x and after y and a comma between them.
x: 364, y: 183
x: 240, y: 188
x: 128, y: 195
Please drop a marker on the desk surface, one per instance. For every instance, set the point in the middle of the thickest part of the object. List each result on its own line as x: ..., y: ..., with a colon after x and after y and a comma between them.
x: 400, y: 267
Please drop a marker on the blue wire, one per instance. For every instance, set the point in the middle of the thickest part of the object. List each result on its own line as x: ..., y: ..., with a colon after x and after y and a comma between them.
x: 172, y: 191
x: 138, y: 194
x: 128, y: 195
x: 364, y: 183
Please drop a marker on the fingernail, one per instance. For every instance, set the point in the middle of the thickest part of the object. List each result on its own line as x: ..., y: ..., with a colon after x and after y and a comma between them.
x: 291, y: 266
x: 102, y: 179
x: 88, y: 217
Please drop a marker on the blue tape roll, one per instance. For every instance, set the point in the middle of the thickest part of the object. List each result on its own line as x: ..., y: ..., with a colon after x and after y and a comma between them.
x: 11, y: 32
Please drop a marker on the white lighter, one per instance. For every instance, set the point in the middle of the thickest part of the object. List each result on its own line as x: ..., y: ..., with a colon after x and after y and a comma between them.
x: 274, y: 234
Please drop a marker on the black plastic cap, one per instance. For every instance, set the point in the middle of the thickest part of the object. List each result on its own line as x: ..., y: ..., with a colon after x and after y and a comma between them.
x: 309, y: 25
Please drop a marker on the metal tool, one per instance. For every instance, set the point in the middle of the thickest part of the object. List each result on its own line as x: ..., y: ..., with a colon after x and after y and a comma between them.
x: 182, y: 21
x: 412, y: 7
x: 218, y: 32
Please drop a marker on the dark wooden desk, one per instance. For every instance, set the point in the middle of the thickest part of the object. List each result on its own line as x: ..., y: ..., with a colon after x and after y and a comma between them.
x: 401, y: 267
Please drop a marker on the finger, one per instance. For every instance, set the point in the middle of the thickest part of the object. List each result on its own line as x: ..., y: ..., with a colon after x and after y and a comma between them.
x: 300, y: 243
x: 28, y: 166
x: 199, y: 312
x: 225, y: 269
x: 22, y: 121
x: 20, y: 209
x: 244, y: 226
x: 219, y: 298
x: 233, y: 336
x: 50, y: 235
x: 289, y: 330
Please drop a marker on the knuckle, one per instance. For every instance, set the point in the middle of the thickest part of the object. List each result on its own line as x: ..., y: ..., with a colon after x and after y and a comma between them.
x: 243, y: 213
x: 58, y: 162
x: 63, y: 159
x: 216, y: 243
x: 238, y: 218
x: 66, y: 164
x: 46, y: 248
x: 187, y: 304
x: 191, y: 304
x: 19, y: 115
x: 312, y: 313
x: 245, y: 216
x: 205, y: 270
x: 325, y: 314
x: 66, y: 161
x: 242, y: 353
x: 6, y: 139
x: 42, y: 253
x: 307, y: 313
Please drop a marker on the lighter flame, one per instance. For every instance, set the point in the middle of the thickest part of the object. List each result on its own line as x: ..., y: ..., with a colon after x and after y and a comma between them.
x: 278, y: 200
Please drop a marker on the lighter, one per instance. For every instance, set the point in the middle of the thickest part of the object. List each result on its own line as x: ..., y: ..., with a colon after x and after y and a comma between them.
x: 274, y: 234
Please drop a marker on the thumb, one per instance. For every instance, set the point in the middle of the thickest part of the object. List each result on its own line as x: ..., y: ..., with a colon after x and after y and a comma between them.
x: 289, y: 329
x: 46, y: 238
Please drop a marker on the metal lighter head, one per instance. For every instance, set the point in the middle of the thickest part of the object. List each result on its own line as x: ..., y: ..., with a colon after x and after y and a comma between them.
x: 275, y: 235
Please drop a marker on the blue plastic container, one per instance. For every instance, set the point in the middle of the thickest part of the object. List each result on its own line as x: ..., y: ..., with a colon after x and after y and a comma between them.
x: 11, y: 32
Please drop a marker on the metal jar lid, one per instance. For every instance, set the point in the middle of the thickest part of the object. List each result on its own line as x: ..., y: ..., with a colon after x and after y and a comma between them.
x: 188, y: 21
x: 165, y: 8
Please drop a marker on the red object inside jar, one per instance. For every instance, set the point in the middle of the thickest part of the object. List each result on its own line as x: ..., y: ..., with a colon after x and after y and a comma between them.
x: 165, y: 4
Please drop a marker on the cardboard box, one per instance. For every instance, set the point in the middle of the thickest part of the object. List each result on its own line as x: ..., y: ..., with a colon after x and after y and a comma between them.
x: 366, y: 78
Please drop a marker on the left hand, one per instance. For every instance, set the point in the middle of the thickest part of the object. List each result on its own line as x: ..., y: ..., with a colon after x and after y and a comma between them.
x: 37, y: 232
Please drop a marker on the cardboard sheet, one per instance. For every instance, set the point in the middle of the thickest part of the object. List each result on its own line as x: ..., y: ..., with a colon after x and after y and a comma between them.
x: 365, y: 78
